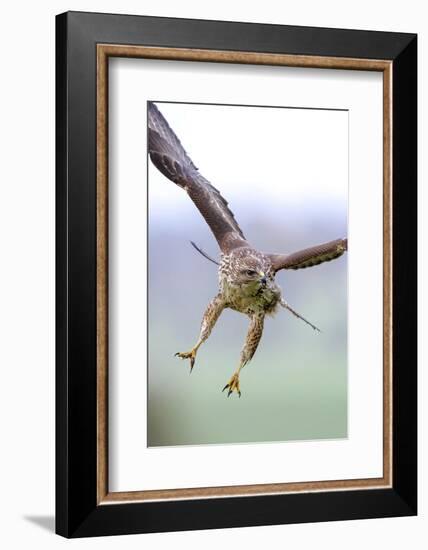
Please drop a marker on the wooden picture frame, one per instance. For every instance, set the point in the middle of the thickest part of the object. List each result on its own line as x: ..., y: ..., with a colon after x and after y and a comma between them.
x: 84, y: 505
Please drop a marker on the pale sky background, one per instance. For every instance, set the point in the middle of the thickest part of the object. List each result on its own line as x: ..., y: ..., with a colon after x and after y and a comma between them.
x: 286, y: 160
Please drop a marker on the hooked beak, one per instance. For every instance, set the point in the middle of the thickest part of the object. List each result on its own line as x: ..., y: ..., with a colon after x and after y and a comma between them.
x: 263, y: 279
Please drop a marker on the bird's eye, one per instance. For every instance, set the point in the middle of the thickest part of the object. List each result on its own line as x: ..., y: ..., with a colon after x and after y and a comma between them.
x: 250, y: 272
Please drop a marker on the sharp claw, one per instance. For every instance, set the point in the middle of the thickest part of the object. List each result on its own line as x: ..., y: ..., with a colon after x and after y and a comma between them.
x: 187, y: 355
x: 231, y: 386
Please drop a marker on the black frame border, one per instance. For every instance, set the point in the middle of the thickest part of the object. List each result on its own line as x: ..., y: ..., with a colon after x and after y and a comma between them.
x: 77, y: 512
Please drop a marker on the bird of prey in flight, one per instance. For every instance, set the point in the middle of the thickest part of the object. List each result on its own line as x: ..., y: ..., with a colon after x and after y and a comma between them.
x: 246, y: 275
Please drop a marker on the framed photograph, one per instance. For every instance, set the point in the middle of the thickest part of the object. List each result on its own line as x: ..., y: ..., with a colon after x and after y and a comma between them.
x: 236, y: 274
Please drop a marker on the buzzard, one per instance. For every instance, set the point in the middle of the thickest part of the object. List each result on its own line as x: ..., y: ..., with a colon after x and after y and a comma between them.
x: 246, y: 275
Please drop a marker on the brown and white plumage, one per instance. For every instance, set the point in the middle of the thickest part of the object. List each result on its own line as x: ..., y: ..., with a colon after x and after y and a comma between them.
x: 246, y: 275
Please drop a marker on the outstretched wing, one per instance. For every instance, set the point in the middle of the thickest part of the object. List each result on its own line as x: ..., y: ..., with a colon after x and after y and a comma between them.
x: 310, y: 256
x: 170, y: 158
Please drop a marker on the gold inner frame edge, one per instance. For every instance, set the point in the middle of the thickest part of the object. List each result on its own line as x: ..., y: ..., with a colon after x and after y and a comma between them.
x: 104, y: 51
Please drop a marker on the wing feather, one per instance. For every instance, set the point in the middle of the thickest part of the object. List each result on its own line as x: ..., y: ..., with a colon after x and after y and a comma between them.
x: 310, y: 257
x: 171, y: 159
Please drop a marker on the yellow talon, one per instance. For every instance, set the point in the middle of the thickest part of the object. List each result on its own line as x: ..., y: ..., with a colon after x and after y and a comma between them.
x: 188, y: 355
x: 233, y: 385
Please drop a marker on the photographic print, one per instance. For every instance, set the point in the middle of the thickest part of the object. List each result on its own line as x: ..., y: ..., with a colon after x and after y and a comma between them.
x: 226, y: 320
x: 247, y: 273
x: 297, y: 155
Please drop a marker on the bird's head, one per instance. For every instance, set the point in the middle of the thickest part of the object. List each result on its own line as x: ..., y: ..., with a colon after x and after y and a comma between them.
x: 253, y: 271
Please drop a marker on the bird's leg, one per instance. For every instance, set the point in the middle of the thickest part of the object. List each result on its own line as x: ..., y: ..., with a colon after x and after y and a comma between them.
x: 252, y: 340
x: 212, y: 313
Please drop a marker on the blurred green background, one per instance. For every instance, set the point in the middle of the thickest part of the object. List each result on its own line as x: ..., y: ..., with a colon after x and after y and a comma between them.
x: 295, y: 388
